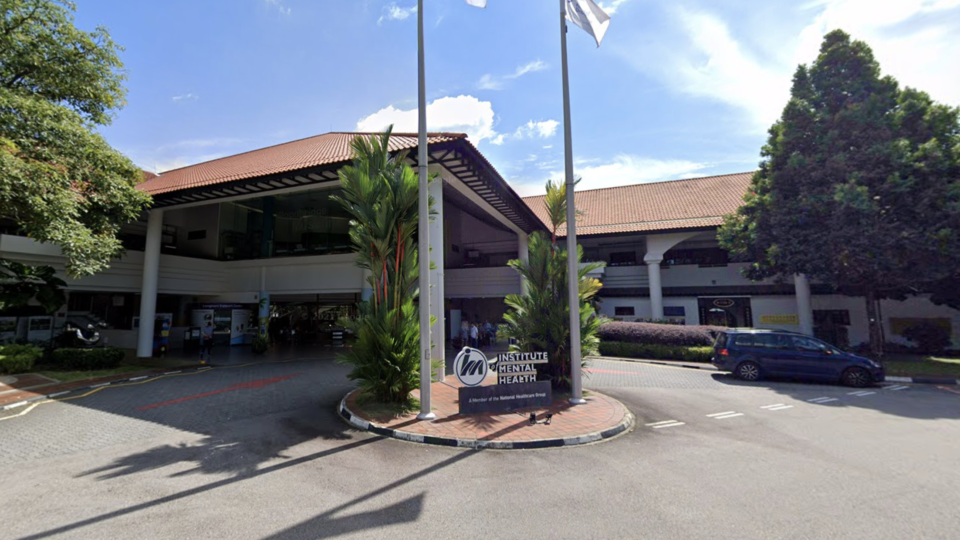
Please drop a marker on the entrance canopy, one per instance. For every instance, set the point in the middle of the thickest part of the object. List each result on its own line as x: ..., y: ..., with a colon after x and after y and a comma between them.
x: 314, y: 162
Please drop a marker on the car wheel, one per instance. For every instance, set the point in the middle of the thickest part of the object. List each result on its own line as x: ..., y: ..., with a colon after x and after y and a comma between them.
x: 856, y: 377
x: 748, y: 371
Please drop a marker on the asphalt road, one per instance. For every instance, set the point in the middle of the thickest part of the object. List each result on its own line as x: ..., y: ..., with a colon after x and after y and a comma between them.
x: 257, y: 453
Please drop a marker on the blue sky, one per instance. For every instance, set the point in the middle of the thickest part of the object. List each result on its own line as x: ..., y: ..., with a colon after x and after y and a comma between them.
x: 678, y: 89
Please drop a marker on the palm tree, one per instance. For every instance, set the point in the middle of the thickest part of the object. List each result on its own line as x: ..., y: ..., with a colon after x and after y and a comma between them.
x: 539, y: 320
x: 380, y: 193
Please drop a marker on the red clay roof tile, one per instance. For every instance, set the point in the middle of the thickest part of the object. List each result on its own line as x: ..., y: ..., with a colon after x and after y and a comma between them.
x: 659, y: 206
x: 310, y: 152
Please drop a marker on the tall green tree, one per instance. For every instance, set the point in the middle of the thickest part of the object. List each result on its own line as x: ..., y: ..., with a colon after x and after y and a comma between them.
x: 859, y: 186
x: 539, y: 320
x: 60, y: 181
x: 380, y: 192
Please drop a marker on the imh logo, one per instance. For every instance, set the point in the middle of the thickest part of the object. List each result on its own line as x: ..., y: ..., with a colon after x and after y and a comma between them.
x: 470, y: 366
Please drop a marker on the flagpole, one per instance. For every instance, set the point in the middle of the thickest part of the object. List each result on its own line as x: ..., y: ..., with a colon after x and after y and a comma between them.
x: 573, y: 272
x: 423, y: 232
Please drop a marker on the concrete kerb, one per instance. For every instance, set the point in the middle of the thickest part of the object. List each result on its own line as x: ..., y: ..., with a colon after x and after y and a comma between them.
x: 893, y: 379
x: 355, y: 421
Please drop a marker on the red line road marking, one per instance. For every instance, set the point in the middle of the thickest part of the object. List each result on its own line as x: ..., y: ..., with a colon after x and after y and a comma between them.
x: 253, y: 385
x: 948, y: 389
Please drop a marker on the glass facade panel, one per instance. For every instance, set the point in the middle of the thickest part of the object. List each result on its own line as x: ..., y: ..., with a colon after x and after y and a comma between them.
x: 303, y: 223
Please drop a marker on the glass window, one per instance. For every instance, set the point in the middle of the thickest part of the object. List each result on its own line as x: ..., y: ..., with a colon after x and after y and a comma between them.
x: 806, y: 344
x: 624, y: 310
x: 302, y: 223
x: 623, y: 258
x: 766, y: 341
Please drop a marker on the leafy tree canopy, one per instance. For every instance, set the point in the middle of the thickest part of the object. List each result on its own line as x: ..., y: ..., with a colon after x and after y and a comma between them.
x: 859, y: 186
x: 60, y: 182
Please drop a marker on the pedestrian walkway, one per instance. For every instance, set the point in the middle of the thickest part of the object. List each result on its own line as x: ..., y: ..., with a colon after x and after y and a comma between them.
x: 600, y: 418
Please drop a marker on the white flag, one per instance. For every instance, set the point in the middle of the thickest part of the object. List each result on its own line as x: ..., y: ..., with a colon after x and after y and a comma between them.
x: 478, y: 3
x: 589, y: 16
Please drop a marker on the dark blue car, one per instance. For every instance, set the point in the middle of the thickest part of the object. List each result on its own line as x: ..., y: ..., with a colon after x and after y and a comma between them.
x: 751, y: 354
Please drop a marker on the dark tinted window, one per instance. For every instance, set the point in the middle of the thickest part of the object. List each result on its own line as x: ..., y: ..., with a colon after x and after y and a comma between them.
x: 767, y: 341
x: 806, y: 344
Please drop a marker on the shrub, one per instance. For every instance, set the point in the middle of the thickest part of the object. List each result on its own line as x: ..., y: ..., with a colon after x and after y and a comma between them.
x: 659, y: 334
x: 656, y: 352
x: 929, y: 337
x: 18, y: 358
x: 260, y: 344
x: 87, y: 359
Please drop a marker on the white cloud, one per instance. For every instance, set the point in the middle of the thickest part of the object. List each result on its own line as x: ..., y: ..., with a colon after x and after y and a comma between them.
x: 628, y: 169
x: 176, y: 154
x: 530, y: 67
x: 543, y: 130
x: 393, y: 12
x: 185, y: 97
x: 914, y: 40
x: 279, y: 5
x: 611, y: 7
x: 531, y: 130
x: 722, y: 69
x: 461, y: 114
x: 491, y: 82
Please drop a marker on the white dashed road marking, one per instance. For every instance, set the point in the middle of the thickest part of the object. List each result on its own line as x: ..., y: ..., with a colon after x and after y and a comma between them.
x: 895, y: 388
x: 821, y: 400
x: 665, y: 424
x: 720, y: 414
x: 724, y: 416
x: 772, y: 406
x: 861, y: 393
x: 777, y: 407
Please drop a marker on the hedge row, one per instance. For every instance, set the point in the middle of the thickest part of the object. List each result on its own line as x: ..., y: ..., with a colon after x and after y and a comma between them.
x: 18, y: 358
x: 88, y: 359
x: 659, y: 334
x: 656, y: 352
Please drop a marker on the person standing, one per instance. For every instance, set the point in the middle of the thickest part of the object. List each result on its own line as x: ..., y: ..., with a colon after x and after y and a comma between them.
x: 206, y: 342
x: 464, y: 333
x: 474, y: 336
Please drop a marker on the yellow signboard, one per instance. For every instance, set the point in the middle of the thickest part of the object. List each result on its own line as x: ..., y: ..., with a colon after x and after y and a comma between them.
x: 779, y: 319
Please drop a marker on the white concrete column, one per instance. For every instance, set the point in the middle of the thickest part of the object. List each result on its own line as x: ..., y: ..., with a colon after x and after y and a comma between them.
x: 366, y: 290
x: 523, y: 253
x: 438, y: 335
x: 804, y: 306
x: 148, y: 288
x: 656, y: 290
x: 263, y: 304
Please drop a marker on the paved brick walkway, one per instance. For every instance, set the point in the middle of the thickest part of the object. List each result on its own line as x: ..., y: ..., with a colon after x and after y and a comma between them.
x: 600, y: 413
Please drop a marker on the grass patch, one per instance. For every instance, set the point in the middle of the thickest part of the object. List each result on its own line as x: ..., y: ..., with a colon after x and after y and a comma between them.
x: 906, y: 365
x: 70, y: 376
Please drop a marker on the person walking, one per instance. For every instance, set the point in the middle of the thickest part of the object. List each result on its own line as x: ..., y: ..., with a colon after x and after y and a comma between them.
x: 206, y: 342
x: 474, y: 336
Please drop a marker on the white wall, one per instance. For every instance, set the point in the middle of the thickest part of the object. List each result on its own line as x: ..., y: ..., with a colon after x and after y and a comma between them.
x: 198, y: 218
x: 481, y: 282
x: 691, y: 275
x: 912, y: 307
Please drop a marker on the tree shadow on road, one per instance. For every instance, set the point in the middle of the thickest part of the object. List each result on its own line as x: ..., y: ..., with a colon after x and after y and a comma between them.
x: 237, y: 449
